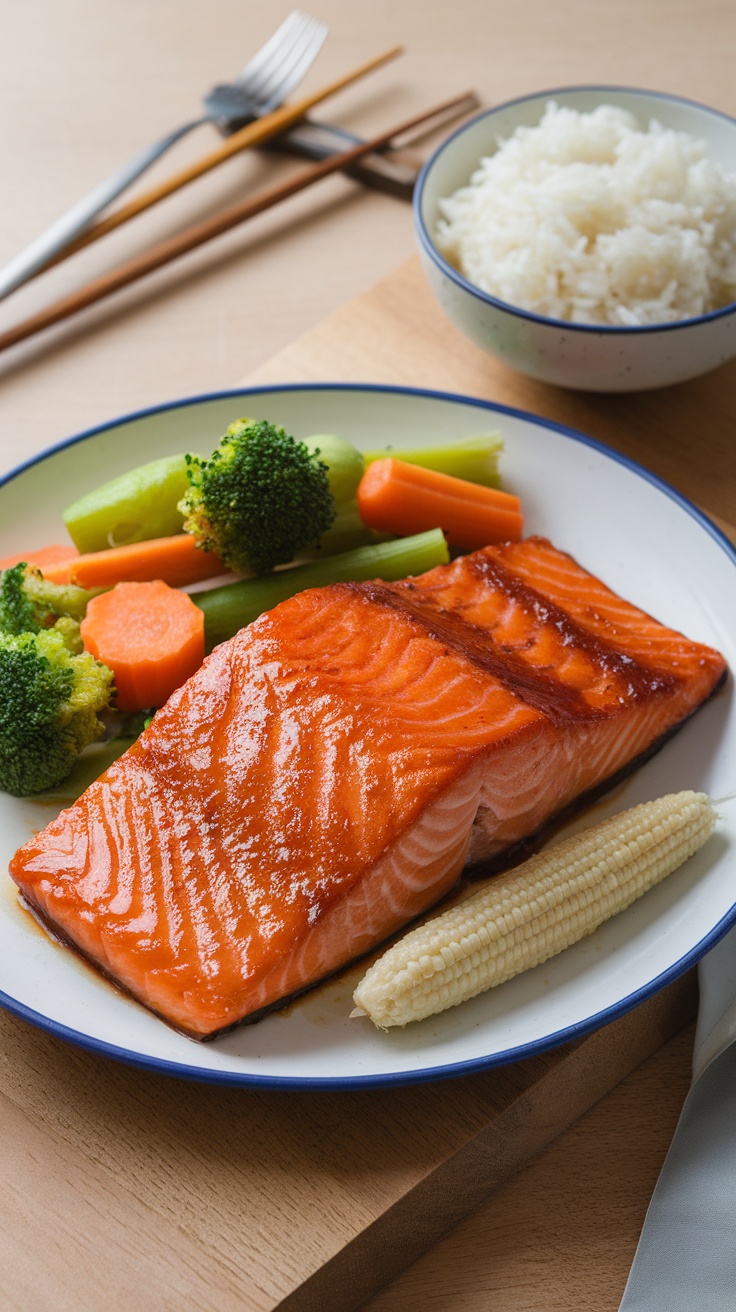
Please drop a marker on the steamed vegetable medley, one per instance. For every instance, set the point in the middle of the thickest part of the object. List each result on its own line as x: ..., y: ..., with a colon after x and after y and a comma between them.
x: 102, y: 629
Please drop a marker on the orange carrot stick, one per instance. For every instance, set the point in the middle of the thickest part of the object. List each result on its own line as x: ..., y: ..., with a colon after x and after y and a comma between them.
x: 43, y: 557
x: 176, y: 560
x: 150, y: 635
x: 396, y: 497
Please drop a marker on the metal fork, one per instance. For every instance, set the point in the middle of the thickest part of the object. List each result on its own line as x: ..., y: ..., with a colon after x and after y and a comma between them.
x: 263, y: 84
x: 269, y: 77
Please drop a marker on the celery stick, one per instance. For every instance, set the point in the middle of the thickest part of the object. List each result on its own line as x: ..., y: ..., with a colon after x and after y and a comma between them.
x: 232, y: 606
x: 472, y: 458
x: 345, y: 534
x: 134, y: 507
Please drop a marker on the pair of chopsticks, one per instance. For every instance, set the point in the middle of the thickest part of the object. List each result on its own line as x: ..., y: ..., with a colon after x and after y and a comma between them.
x: 253, y: 134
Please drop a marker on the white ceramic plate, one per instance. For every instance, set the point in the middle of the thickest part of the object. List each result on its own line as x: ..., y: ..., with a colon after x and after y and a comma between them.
x: 622, y: 524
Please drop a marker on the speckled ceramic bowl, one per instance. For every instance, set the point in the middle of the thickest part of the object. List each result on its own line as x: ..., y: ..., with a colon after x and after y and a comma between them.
x: 592, y: 358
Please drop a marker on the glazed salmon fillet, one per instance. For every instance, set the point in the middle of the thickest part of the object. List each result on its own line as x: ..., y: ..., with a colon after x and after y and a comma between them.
x: 329, y: 772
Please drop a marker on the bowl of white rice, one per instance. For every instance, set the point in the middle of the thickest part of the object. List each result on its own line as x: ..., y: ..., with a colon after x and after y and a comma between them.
x: 587, y: 236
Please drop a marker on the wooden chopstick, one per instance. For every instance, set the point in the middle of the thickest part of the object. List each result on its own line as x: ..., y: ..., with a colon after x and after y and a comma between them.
x: 253, y: 134
x: 199, y: 233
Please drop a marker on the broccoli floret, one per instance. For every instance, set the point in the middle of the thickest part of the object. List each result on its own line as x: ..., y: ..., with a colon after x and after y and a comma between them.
x: 29, y: 603
x: 260, y: 498
x: 50, y: 698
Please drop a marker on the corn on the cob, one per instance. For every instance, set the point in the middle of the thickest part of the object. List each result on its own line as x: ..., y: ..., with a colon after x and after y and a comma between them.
x: 520, y: 919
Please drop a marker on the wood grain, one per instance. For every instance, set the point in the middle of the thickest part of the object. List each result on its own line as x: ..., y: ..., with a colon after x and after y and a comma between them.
x: 560, y: 1235
x: 218, y: 1198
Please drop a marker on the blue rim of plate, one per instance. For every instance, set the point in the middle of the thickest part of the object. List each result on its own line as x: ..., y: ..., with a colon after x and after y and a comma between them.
x: 516, y: 311
x: 425, y: 1075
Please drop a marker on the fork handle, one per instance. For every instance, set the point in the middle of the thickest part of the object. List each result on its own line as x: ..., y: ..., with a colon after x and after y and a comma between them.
x: 72, y: 224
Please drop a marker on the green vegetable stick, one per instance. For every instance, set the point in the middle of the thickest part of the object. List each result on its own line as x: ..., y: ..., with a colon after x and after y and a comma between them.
x: 135, y: 507
x: 345, y: 534
x: 472, y: 458
x: 232, y: 606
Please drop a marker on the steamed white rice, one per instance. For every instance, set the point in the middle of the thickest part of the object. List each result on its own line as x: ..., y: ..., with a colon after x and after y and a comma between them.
x: 590, y: 219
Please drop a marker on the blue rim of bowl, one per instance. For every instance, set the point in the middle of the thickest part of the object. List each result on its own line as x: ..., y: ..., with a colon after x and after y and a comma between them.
x: 424, y: 1075
x: 452, y: 273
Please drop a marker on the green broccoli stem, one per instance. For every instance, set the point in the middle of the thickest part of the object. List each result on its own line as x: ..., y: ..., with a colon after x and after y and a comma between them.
x: 472, y: 458
x: 232, y: 606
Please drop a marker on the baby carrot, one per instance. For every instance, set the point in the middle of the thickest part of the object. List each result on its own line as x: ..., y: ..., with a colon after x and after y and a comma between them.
x: 150, y: 635
x: 57, y: 557
x: 175, y: 560
x: 396, y: 497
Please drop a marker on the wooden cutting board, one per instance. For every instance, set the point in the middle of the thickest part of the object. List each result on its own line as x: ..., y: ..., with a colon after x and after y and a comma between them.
x: 122, y: 1189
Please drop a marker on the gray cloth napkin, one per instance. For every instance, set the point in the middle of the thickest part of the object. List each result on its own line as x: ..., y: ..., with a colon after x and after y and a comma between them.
x: 686, y: 1258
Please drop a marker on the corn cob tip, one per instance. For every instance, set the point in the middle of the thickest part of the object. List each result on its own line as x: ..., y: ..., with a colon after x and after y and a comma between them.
x: 359, y: 1014
x: 520, y: 919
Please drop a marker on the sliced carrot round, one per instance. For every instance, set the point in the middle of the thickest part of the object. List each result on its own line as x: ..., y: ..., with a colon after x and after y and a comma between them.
x: 150, y: 635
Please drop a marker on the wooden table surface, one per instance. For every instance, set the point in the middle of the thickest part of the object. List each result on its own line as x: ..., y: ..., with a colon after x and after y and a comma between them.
x: 83, y: 87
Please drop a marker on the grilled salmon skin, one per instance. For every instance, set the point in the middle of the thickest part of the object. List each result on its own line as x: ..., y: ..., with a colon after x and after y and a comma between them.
x: 328, y: 773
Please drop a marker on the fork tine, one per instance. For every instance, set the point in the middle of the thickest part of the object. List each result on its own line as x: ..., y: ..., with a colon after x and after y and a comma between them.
x: 293, y: 69
x: 272, y: 73
x: 282, y: 56
x: 294, y: 23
